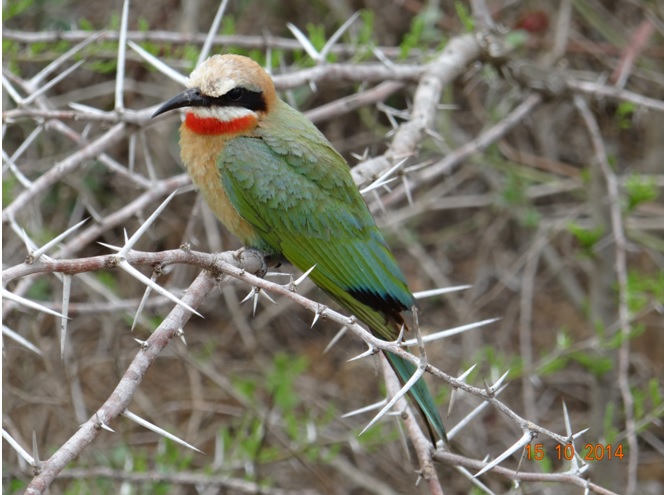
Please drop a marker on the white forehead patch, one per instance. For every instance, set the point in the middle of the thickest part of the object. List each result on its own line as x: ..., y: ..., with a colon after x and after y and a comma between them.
x: 210, y: 84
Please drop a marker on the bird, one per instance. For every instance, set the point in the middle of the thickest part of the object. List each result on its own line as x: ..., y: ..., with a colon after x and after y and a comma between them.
x: 276, y: 182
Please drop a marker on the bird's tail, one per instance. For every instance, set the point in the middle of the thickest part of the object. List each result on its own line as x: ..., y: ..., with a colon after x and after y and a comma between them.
x: 388, y: 328
x: 420, y: 395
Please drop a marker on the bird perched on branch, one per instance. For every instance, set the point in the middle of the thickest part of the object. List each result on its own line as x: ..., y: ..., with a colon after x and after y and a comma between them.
x: 277, y: 183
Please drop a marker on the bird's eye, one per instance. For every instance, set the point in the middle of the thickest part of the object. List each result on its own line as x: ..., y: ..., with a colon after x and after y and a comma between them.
x: 235, y: 94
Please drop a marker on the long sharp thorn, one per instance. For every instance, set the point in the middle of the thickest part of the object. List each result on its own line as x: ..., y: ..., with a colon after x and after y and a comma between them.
x: 141, y: 230
x: 19, y: 450
x: 109, y: 246
x: 146, y: 424
x: 304, y: 41
x: 337, y: 34
x: 519, y: 444
x: 13, y: 94
x: 336, y: 338
x: 369, y: 352
x: 437, y: 292
x: 103, y: 425
x: 23, y: 180
x: 404, y: 390
x: 568, y: 424
x: 35, y: 451
x: 28, y: 244
x: 66, y: 293
x: 249, y: 296
x: 320, y: 310
x: 574, y: 461
x: 52, y: 82
x: 370, y: 407
x: 452, y: 400
x: 375, y: 185
x: 39, y: 77
x: 382, y: 178
x: 28, y: 303
x: 144, y: 300
x: 406, y: 188
x: 465, y: 374
x: 214, y: 29
x: 158, y: 65
x: 160, y: 290
x: 450, y: 332
x: 577, y: 435
x: 268, y: 297
x: 121, y: 59
x: 303, y: 276
x: 498, y: 383
x: 55, y: 240
x: 17, y: 338
x: 257, y: 294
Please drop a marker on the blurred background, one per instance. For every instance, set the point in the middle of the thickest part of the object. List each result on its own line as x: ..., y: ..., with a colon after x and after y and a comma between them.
x: 525, y: 221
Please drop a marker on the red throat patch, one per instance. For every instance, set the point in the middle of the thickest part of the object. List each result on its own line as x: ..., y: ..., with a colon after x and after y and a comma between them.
x: 210, y: 125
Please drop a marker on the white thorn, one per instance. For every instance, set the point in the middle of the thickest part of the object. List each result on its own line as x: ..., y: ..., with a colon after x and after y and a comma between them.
x: 19, y: 450
x: 304, y: 41
x: 146, y: 424
x: 158, y: 64
x: 35, y: 451
x: 214, y: 29
x: 320, y: 311
x: 404, y: 390
x: 66, y: 293
x: 52, y: 82
x: 519, y: 444
x: 250, y: 295
x: 369, y: 352
x: 109, y: 246
x: 103, y: 425
x: 362, y: 410
x: 499, y: 382
x: 144, y: 300
x: 423, y: 294
x: 42, y: 250
x: 137, y: 235
x: 17, y: 338
x: 450, y: 332
x: 303, y: 277
x: 337, y: 34
x: 336, y: 338
x: 28, y: 303
x: 122, y: 57
x: 142, y: 278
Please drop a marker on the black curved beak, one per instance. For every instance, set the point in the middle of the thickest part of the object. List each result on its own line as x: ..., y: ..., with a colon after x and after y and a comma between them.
x: 189, y: 98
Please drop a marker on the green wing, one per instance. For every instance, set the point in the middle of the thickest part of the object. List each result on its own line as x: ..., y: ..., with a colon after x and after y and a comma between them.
x: 298, y: 194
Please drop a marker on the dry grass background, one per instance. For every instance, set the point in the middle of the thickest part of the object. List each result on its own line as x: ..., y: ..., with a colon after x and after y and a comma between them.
x: 257, y: 394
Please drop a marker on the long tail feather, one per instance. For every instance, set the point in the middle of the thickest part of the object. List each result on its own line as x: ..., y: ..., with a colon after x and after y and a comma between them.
x: 420, y: 395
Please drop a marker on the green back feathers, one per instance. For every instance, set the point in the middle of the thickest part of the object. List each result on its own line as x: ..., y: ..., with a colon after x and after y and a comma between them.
x: 297, y: 192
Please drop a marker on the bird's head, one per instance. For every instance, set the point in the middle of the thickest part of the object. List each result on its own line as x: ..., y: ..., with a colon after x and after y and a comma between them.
x: 226, y: 94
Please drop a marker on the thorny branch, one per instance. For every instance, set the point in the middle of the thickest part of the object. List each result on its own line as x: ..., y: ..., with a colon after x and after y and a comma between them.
x: 403, y: 149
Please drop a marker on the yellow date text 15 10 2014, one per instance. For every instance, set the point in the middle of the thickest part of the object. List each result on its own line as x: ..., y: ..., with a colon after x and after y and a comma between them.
x: 590, y: 452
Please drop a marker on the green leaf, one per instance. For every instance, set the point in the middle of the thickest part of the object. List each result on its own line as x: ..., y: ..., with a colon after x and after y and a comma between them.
x: 14, y: 8
x: 596, y: 364
x: 639, y: 190
x: 465, y: 16
x: 586, y: 237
